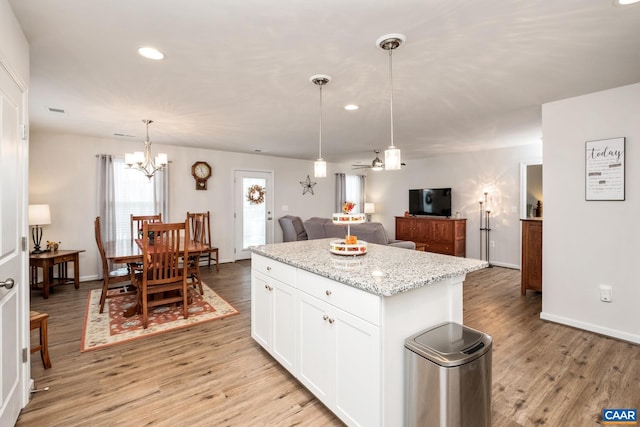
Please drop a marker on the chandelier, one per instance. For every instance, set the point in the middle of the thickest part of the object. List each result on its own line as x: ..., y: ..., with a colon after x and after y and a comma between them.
x: 142, y: 161
x: 390, y: 42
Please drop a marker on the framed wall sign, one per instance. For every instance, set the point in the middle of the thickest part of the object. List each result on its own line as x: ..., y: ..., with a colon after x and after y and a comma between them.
x: 604, y: 170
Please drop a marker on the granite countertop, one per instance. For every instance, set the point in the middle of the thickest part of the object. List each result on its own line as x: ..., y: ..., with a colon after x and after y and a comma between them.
x: 383, y: 270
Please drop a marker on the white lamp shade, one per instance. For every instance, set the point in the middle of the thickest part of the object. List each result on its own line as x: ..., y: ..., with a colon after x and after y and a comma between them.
x: 320, y: 168
x: 161, y: 159
x: 369, y: 208
x: 138, y: 157
x: 392, y: 158
x: 39, y: 215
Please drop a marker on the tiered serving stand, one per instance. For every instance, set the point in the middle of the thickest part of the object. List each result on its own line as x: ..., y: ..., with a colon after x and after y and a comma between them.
x: 341, y: 247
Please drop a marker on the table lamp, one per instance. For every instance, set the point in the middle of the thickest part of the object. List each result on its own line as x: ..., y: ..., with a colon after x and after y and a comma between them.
x: 39, y: 215
x: 369, y: 208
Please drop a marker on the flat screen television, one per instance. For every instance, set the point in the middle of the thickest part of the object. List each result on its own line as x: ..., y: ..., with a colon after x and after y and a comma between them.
x: 430, y: 201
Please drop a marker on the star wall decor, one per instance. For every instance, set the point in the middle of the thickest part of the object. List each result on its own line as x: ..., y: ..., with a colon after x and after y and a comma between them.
x: 307, y: 186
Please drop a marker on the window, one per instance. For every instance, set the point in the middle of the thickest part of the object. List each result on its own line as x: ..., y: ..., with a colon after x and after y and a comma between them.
x: 350, y: 188
x: 135, y: 194
x: 353, y: 191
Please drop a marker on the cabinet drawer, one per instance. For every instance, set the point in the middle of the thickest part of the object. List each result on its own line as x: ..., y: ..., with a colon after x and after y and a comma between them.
x: 440, y: 248
x: 352, y: 300
x: 274, y: 269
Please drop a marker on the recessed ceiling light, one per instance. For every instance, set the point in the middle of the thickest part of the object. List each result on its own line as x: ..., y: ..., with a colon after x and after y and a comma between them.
x: 151, y: 53
x: 624, y: 2
x: 351, y: 107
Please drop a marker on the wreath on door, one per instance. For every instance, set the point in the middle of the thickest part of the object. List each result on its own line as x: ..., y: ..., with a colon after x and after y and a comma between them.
x: 255, y: 194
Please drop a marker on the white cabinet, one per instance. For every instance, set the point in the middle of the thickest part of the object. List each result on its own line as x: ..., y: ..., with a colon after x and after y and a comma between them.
x: 273, y: 316
x: 342, y: 343
x: 339, y: 361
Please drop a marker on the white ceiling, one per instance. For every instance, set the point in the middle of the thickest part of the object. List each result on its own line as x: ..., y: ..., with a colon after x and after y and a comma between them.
x: 472, y: 74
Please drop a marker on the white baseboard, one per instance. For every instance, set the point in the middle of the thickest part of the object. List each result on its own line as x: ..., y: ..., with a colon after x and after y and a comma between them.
x: 614, y: 333
x: 505, y: 265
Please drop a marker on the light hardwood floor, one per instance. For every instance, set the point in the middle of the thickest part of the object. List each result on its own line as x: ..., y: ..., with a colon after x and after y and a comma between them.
x: 214, y: 374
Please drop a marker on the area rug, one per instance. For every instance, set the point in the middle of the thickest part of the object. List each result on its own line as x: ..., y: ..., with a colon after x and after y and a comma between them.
x: 111, y: 327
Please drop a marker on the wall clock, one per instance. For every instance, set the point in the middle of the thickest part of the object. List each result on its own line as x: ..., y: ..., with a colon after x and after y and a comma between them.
x: 201, y: 172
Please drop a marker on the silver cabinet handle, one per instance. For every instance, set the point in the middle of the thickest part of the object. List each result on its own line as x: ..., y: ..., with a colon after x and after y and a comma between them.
x: 268, y: 268
x: 331, y: 320
x: 7, y: 283
x: 328, y: 292
x: 325, y: 317
x: 266, y: 286
x: 270, y: 288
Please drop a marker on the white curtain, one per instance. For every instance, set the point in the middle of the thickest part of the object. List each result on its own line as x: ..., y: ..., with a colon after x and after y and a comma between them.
x: 105, y: 199
x: 341, y: 191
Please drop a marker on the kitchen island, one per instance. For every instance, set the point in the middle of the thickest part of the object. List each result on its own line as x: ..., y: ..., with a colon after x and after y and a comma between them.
x: 338, y: 323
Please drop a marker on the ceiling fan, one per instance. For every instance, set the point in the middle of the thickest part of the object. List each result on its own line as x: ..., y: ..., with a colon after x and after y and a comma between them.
x: 376, y: 165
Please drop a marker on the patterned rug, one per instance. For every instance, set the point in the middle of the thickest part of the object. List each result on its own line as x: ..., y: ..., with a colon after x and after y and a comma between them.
x: 111, y: 327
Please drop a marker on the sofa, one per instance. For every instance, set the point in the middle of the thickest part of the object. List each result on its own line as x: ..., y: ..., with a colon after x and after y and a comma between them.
x: 294, y: 229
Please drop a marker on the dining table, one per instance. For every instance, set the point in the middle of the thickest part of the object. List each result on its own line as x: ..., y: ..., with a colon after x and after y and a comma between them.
x: 125, y: 251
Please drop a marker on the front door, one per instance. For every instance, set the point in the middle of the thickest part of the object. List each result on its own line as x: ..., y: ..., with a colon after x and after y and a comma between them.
x: 253, y: 211
x: 13, y: 272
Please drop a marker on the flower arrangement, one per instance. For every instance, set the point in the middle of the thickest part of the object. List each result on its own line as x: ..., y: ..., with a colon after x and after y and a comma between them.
x: 347, y: 207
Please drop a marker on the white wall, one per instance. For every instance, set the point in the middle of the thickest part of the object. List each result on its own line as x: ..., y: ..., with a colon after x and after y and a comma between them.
x: 588, y: 243
x: 468, y: 174
x: 14, y: 48
x: 63, y: 174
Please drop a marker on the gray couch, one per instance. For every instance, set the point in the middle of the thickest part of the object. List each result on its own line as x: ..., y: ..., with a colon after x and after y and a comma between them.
x: 293, y: 229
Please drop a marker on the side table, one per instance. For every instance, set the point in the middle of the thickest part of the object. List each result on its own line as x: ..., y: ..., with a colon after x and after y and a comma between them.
x: 46, y: 261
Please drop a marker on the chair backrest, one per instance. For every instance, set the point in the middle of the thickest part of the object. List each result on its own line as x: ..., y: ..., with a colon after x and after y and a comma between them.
x: 98, y: 231
x: 163, y: 245
x: 200, y: 227
x: 138, y: 220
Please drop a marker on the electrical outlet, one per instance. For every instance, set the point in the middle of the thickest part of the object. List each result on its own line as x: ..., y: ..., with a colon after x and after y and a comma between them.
x: 285, y: 208
x: 492, y: 243
x: 606, y: 293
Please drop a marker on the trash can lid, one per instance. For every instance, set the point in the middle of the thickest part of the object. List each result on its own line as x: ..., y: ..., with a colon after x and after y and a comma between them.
x: 449, y: 344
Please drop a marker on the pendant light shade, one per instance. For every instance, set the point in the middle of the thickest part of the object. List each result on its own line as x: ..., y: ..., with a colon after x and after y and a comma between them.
x: 320, y: 166
x: 390, y: 42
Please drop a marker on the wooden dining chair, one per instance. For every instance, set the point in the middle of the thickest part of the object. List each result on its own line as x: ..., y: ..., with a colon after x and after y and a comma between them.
x: 163, y: 276
x: 136, y: 230
x: 196, y: 223
x: 206, y: 237
x: 138, y: 220
x: 120, y: 276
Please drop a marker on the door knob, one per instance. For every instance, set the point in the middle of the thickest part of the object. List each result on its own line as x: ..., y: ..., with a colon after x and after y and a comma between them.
x: 7, y: 283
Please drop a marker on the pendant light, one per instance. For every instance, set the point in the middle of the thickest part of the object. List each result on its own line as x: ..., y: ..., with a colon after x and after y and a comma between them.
x: 320, y: 166
x: 390, y: 42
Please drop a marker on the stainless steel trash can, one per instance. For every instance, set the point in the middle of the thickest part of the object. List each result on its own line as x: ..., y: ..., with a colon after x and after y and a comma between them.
x: 448, y: 377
